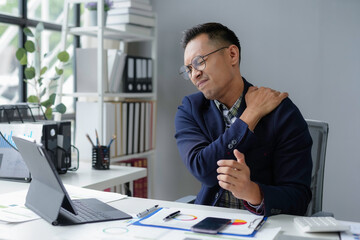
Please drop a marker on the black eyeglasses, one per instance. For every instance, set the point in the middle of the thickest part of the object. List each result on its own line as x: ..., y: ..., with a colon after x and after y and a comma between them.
x: 198, y: 63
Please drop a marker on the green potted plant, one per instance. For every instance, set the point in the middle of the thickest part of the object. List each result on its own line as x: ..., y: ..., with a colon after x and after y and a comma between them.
x: 92, y: 7
x: 34, y: 73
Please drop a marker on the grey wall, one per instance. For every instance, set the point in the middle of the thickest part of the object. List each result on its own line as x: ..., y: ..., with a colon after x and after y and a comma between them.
x: 308, y: 48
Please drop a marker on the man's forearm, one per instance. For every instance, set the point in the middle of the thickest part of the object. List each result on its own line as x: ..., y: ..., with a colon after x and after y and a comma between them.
x: 251, y: 118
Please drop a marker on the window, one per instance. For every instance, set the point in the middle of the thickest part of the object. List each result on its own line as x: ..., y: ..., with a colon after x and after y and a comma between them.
x: 9, y: 67
x: 10, y: 7
x: 12, y: 21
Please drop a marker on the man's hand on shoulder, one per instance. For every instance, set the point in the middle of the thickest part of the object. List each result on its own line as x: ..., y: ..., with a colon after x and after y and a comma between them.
x: 260, y: 102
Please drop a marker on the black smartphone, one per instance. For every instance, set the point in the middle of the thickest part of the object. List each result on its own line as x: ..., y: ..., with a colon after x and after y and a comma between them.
x: 210, y: 225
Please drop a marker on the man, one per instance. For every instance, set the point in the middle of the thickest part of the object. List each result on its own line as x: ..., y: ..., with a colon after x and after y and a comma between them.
x: 249, y: 147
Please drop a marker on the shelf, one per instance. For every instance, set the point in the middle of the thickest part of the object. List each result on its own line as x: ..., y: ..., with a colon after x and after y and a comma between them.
x: 110, y: 33
x: 126, y: 157
x: 110, y: 96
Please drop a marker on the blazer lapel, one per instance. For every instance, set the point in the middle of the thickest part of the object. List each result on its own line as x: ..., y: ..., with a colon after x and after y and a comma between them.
x: 243, y: 102
x: 214, y: 121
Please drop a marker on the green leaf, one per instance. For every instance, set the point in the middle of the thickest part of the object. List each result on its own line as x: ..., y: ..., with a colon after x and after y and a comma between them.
x: 33, y: 99
x: 28, y: 32
x: 20, y: 53
x: 29, y: 46
x: 53, y: 87
x: 29, y: 72
x: 59, y: 71
x: 46, y: 103
x: 43, y: 93
x: 21, y: 56
x: 23, y: 61
x: 40, y: 81
x: 40, y: 27
x: 48, y: 113
x: 55, y: 78
x: 52, y: 98
x: 63, y: 56
x: 61, y: 108
x: 43, y: 70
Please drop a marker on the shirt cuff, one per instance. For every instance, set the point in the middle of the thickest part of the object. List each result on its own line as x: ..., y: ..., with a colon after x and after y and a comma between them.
x: 257, y: 209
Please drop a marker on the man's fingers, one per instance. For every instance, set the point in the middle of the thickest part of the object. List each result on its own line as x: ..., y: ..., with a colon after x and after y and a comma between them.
x: 284, y: 95
x: 252, y: 88
x: 230, y: 171
x: 225, y: 185
x: 240, y: 157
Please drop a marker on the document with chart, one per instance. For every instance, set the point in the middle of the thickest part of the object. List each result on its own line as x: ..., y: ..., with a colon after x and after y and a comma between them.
x: 242, y: 224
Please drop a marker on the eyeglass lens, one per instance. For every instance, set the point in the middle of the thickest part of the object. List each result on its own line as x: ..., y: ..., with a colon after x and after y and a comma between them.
x: 198, y: 63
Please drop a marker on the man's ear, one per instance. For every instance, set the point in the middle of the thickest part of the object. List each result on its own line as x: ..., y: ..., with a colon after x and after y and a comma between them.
x: 234, y: 54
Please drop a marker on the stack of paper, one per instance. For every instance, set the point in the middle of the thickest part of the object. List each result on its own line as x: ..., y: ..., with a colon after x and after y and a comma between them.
x: 134, y: 16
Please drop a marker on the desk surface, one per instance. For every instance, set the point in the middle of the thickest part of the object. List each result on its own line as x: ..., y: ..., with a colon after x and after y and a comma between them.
x: 100, y: 179
x: 88, y: 177
x: 91, y: 178
x: 36, y: 228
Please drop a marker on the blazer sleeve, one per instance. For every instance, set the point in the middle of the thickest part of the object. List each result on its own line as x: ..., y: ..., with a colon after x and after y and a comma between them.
x: 201, y: 145
x: 289, y: 192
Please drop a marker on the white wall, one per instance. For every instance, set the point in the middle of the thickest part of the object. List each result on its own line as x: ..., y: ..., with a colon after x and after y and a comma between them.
x: 309, y: 48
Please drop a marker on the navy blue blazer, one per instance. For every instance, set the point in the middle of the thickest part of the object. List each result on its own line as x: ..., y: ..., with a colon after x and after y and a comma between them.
x: 278, y: 152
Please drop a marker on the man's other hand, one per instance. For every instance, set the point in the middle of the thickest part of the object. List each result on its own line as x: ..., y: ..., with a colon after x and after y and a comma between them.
x: 234, y: 176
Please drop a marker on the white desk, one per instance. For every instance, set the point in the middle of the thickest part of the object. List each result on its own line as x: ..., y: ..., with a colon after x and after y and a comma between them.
x: 100, y: 179
x: 91, y: 178
x: 88, y: 177
x: 40, y: 229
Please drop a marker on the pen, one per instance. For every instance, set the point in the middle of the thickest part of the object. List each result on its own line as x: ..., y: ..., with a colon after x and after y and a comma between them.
x: 97, y: 138
x: 171, y: 215
x: 88, y: 137
x: 147, y: 211
x: 113, y: 138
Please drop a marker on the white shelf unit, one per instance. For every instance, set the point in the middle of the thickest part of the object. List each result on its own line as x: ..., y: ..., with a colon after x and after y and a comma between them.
x: 102, y: 32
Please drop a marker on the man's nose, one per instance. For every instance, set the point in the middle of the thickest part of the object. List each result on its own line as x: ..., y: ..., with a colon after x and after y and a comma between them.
x: 196, y: 73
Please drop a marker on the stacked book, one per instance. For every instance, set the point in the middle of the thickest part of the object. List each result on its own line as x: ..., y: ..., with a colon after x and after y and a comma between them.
x: 139, y: 187
x: 135, y: 16
x: 122, y: 73
x: 133, y: 123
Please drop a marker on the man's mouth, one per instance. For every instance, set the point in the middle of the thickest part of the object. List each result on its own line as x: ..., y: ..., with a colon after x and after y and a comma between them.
x: 201, y: 83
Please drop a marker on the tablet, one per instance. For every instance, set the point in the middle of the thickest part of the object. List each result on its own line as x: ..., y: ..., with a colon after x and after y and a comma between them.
x: 12, y: 165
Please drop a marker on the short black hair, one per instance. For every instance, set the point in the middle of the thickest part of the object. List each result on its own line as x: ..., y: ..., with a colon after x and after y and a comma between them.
x: 215, y: 31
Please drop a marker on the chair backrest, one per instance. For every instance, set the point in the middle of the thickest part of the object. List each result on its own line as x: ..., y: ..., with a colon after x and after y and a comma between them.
x: 319, y: 133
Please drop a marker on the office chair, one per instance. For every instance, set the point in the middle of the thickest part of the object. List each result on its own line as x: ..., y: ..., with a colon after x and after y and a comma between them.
x: 319, y: 133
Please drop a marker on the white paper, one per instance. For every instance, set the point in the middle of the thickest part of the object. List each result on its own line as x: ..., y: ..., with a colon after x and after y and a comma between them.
x: 17, y: 214
x: 353, y: 233
x: 13, y: 210
x: 242, y: 224
x: 124, y: 230
x: 79, y: 193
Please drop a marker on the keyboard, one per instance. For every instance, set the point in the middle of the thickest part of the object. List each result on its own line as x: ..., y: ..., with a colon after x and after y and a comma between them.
x: 319, y: 224
x: 86, y: 214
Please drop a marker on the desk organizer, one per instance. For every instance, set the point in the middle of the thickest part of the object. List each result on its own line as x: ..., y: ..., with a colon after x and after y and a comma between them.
x: 101, y: 157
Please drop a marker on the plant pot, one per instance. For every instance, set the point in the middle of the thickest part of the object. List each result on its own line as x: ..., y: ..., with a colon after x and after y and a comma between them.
x: 93, y: 18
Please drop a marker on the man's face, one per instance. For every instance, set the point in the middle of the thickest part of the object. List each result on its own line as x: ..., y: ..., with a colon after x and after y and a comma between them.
x: 214, y: 80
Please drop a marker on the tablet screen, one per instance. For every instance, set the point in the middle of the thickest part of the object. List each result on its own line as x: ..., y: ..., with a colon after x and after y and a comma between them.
x: 12, y: 165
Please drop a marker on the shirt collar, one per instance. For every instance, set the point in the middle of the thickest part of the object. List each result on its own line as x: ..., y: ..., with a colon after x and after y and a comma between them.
x: 234, y: 109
